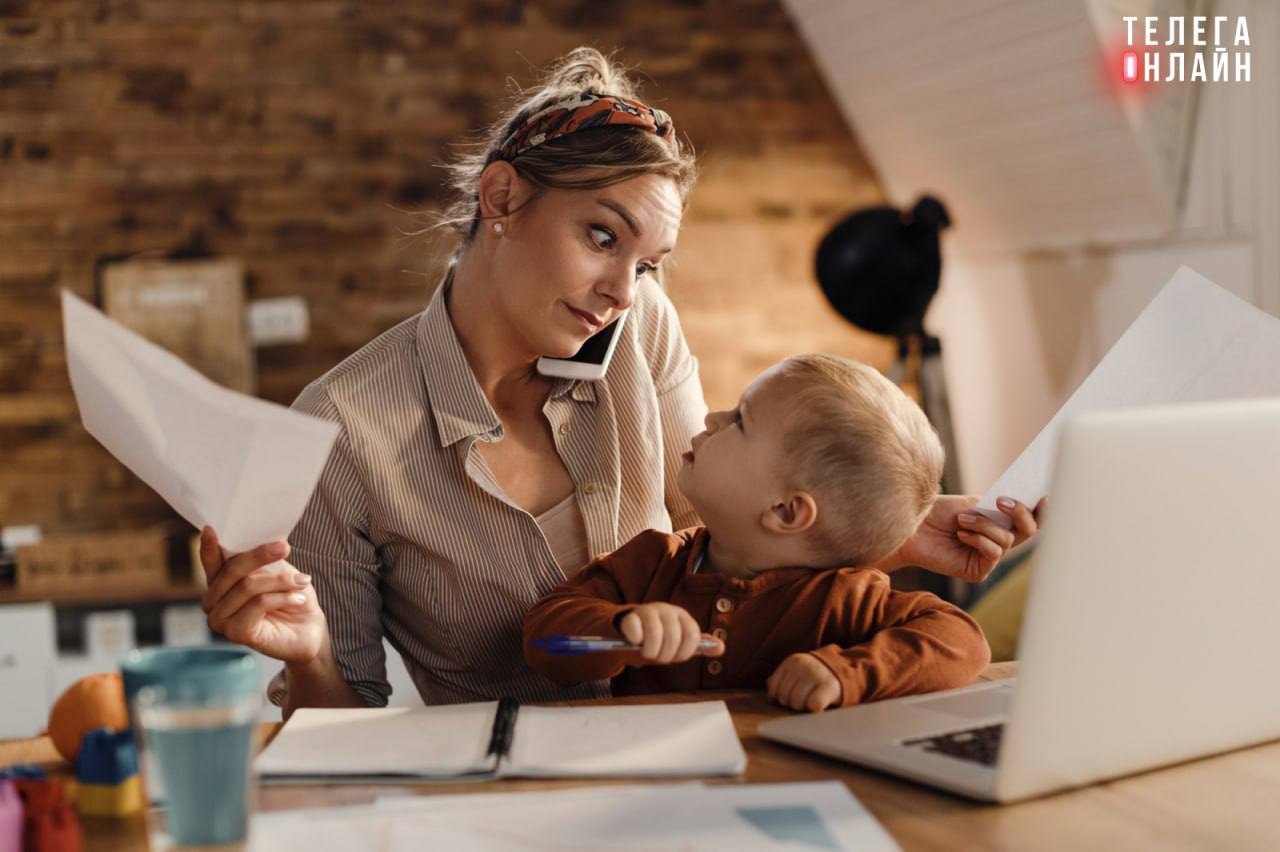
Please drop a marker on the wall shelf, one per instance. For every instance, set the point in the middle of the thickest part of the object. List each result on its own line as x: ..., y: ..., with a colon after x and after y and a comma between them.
x: 122, y: 595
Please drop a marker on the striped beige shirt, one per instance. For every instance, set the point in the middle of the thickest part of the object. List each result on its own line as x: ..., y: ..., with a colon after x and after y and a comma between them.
x: 408, y: 534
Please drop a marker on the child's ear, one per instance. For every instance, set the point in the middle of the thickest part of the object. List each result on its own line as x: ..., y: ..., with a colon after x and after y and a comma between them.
x: 795, y: 513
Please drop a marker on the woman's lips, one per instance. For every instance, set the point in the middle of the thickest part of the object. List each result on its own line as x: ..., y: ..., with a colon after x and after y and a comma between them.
x: 589, y: 322
x: 688, y: 457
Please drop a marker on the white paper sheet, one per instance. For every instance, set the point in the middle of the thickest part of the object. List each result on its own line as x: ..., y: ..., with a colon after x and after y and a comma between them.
x: 742, y: 817
x: 697, y: 738
x: 242, y: 465
x: 1195, y: 342
x: 404, y: 743
x: 585, y: 790
x: 442, y: 740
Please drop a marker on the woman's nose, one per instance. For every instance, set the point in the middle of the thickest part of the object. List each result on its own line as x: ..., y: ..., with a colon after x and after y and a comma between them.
x: 619, y: 287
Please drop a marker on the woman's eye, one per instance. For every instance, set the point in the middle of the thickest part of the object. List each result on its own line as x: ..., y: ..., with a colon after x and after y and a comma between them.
x: 643, y: 269
x: 602, y: 237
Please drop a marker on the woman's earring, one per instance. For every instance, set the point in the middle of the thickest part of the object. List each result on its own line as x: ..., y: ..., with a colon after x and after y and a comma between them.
x: 498, y: 228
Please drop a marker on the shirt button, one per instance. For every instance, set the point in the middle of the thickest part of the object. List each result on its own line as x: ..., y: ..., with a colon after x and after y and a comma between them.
x: 714, y: 667
x: 564, y: 429
x: 724, y: 605
x: 590, y: 488
x: 720, y: 633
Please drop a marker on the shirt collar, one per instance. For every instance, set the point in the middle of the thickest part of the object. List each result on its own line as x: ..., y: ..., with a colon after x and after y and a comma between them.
x: 761, y: 582
x: 579, y: 390
x: 457, y: 403
x: 700, y: 555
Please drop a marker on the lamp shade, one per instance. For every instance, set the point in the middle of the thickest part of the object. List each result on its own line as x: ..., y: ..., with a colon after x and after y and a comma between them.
x: 879, y: 267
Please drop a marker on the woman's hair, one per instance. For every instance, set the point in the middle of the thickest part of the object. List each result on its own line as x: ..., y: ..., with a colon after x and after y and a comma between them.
x: 866, y: 452
x: 586, y: 159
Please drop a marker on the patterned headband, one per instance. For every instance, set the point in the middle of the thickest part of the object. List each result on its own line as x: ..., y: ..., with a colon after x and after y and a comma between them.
x: 581, y: 112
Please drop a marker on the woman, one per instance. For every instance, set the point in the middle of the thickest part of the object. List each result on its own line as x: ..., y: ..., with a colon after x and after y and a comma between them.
x: 463, y: 485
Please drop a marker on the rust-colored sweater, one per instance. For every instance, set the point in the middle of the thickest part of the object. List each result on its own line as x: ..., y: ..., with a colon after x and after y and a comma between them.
x: 879, y: 642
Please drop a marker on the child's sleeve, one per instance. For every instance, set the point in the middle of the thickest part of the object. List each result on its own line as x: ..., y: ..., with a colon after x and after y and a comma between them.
x: 589, y: 604
x: 889, y: 643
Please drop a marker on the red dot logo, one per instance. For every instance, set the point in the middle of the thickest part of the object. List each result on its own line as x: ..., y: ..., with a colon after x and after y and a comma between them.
x: 1129, y: 66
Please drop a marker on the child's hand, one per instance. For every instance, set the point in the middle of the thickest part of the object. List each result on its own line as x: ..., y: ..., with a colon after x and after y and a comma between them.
x: 664, y: 632
x: 802, y: 682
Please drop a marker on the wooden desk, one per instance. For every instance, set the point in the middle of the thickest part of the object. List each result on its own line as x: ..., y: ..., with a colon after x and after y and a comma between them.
x: 1224, y: 802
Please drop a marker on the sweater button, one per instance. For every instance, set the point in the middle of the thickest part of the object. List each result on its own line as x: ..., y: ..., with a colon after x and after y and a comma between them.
x: 720, y: 633
x: 714, y: 668
x: 724, y: 605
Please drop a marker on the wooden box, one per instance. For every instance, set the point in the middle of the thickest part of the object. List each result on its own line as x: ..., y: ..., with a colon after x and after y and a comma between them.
x: 193, y: 308
x: 84, y: 563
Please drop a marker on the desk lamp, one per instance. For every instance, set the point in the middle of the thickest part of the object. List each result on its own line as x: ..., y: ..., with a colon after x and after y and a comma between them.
x: 879, y: 268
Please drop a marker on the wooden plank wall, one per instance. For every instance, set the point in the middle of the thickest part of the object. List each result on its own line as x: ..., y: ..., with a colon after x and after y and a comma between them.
x: 299, y: 137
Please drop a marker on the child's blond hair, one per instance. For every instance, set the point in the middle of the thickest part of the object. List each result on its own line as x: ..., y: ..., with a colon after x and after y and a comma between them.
x: 865, y: 451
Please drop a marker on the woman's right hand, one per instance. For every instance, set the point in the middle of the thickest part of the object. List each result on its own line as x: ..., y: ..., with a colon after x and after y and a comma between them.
x: 257, y: 599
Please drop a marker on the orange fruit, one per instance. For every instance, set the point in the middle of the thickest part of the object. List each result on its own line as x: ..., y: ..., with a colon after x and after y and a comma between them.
x: 95, y: 701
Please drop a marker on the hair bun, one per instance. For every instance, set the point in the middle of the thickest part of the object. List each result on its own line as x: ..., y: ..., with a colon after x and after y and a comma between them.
x: 585, y: 69
x: 581, y: 68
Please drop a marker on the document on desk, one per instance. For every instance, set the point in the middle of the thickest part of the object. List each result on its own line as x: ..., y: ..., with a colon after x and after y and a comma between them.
x: 242, y: 465
x: 409, y: 744
x: 743, y: 817
x: 1195, y: 342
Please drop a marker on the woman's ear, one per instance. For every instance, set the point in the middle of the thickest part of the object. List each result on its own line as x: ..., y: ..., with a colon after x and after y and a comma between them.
x: 499, y: 187
x: 795, y: 513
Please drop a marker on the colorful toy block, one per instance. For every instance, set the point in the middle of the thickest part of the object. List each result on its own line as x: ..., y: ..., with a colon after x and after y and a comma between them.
x: 22, y: 770
x: 107, y: 772
x: 106, y: 757
x: 110, y: 800
x: 50, y: 824
x: 11, y: 816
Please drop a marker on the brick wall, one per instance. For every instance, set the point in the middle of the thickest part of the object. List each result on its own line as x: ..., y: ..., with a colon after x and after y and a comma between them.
x: 298, y: 136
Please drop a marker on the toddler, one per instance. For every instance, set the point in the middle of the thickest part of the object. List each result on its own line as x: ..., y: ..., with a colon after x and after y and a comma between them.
x: 823, y: 468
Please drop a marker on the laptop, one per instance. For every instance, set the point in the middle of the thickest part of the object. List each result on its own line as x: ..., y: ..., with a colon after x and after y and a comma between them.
x: 1151, y: 625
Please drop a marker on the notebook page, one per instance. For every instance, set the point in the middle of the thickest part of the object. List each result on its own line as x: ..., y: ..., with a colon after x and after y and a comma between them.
x: 634, y: 740
x: 446, y: 740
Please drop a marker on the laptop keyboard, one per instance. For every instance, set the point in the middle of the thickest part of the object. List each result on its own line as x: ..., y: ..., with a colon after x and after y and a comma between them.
x: 980, y: 745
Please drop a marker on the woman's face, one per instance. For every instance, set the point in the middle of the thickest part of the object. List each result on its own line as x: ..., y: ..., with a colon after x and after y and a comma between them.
x: 568, y: 262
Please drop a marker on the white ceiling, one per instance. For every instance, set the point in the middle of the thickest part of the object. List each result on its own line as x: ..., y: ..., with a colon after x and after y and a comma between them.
x: 1000, y: 108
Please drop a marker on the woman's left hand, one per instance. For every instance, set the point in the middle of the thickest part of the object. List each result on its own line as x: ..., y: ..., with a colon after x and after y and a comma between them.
x: 958, y: 542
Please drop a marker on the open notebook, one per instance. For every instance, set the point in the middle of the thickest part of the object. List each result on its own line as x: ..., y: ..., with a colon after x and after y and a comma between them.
x: 502, y: 739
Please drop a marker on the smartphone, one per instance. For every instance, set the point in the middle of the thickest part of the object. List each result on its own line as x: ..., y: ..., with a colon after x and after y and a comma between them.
x: 591, y: 360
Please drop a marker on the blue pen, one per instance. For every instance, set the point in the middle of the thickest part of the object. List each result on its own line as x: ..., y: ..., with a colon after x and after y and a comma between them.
x: 563, y: 646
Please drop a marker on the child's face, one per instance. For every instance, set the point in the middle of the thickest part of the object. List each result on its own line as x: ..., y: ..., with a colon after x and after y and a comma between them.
x: 731, y: 475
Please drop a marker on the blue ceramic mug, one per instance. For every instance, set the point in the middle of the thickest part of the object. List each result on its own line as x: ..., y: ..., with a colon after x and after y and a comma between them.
x: 198, y: 672
x: 193, y: 711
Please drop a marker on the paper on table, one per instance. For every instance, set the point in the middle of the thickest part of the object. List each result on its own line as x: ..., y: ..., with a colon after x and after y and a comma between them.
x: 443, y: 740
x: 1195, y: 342
x: 416, y: 801
x: 244, y: 466
x: 819, y: 815
x: 695, y: 738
